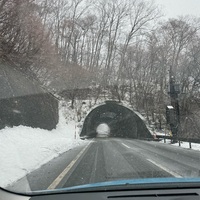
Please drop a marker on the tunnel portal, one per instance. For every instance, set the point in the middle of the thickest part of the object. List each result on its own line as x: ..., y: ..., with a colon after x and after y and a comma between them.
x: 122, y: 121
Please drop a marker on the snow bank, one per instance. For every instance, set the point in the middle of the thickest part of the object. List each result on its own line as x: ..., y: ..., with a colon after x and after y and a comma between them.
x: 24, y: 149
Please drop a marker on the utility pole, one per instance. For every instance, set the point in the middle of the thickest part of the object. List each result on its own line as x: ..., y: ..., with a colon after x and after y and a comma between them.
x: 174, y: 122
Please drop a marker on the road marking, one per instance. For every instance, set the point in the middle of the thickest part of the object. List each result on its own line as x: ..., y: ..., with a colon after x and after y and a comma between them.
x: 95, y: 166
x: 55, y: 183
x: 126, y: 146
x: 165, y: 169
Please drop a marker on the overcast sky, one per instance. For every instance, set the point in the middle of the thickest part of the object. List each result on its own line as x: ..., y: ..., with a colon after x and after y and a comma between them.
x: 174, y: 8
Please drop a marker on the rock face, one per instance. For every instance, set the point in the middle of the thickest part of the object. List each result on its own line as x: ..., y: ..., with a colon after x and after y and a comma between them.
x: 122, y: 122
x: 24, y: 102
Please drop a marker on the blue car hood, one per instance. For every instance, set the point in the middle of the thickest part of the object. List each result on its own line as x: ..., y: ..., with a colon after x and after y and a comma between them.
x: 131, y: 182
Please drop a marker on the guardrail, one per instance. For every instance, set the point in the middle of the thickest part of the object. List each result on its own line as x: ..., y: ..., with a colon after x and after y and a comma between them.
x: 189, y: 140
x: 193, y: 140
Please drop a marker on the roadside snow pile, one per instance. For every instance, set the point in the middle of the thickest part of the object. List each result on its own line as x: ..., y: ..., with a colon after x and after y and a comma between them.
x: 24, y: 149
x: 185, y: 145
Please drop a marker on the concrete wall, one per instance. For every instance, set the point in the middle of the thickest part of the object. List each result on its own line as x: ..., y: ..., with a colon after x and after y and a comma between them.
x: 24, y: 102
x: 39, y: 111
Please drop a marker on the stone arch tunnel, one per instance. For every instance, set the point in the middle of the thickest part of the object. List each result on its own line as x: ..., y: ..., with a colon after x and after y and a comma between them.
x: 122, y: 122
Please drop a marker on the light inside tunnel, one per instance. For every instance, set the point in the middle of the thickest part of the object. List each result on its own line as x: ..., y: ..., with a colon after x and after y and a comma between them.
x: 103, y: 130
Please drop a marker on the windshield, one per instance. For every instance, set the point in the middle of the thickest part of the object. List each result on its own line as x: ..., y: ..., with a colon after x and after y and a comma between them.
x: 99, y: 93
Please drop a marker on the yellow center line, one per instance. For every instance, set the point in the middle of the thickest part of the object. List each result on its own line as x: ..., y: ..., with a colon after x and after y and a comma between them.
x: 55, y: 183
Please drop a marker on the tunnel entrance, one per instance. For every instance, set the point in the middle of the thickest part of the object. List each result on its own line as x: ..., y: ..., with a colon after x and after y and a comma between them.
x: 121, y: 121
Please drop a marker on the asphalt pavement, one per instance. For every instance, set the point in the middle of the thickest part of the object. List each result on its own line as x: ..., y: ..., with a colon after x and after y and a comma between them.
x: 107, y: 159
x: 116, y: 158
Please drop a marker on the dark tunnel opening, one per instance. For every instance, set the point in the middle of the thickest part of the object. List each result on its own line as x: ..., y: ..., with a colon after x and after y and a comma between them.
x: 122, y: 122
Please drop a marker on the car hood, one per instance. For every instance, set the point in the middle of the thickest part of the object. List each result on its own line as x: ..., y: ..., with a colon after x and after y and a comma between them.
x: 127, y: 184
